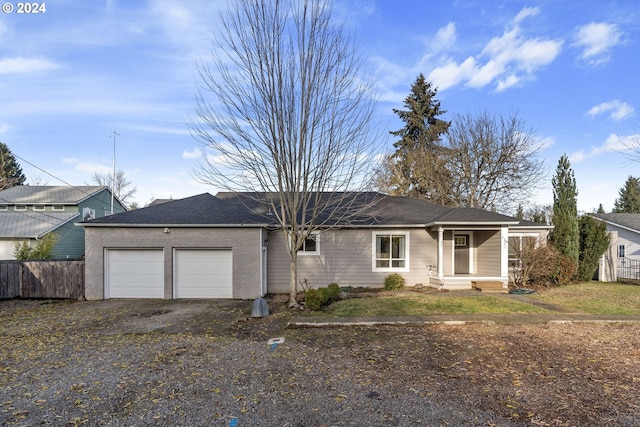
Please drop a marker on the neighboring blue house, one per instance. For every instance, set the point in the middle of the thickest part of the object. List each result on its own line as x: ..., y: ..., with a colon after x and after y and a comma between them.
x: 28, y: 213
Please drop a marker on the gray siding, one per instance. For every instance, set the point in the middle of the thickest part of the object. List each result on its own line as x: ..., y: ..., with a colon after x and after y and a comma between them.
x: 487, y: 253
x: 245, y: 244
x: 346, y: 258
x: 629, y: 239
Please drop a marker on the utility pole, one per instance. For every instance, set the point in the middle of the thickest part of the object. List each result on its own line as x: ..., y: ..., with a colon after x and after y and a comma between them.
x: 113, y: 178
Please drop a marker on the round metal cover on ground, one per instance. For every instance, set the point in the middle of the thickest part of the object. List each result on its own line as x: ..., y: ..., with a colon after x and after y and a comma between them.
x: 259, y: 308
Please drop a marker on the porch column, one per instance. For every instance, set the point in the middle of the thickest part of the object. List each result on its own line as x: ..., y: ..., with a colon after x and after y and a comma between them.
x: 441, y: 255
x: 504, y: 252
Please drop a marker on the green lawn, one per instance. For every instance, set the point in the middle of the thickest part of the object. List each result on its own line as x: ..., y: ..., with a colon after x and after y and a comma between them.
x: 591, y: 298
x: 595, y: 298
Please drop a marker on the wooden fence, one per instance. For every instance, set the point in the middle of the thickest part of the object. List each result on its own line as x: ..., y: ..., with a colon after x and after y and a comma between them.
x: 41, y: 279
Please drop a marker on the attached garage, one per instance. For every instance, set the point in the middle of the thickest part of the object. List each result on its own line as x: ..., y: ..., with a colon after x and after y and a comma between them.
x: 203, y: 273
x: 134, y: 273
x: 198, y: 247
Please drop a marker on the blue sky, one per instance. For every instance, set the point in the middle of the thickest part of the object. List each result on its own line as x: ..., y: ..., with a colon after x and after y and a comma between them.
x: 72, y: 75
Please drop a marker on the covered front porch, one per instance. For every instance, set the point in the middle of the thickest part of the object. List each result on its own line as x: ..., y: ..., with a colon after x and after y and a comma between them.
x: 470, y: 254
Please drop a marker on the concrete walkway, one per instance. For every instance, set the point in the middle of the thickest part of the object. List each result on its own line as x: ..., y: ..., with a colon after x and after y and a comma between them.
x: 447, y: 319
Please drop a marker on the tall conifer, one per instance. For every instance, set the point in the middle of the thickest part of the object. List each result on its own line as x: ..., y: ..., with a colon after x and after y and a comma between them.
x: 566, y: 234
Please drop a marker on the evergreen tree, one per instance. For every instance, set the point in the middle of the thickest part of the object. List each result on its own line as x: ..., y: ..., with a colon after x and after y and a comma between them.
x: 416, y: 157
x: 600, y: 208
x: 10, y: 171
x: 594, y: 241
x: 629, y: 200
x: 566, y: 234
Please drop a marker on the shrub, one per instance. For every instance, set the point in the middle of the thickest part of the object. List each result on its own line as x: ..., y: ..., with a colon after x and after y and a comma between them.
x: 324, y: 294
x: 334, y: 291
x: 312, y: 299
x: 42, y: 250
x: 394, y: 282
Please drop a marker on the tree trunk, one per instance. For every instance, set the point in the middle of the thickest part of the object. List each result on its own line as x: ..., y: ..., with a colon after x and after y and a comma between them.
x: 293, y: 279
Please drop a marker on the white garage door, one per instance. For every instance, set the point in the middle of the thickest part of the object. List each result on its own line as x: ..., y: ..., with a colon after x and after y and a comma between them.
x: 203, y: 273
x: 134, y: 273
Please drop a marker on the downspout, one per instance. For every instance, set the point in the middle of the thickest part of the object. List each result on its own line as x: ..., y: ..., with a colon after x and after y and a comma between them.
x: 441, y: 256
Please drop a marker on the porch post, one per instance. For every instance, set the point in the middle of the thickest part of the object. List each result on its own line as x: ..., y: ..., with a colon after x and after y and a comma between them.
x: 504, y: 253
x: 441, y: 255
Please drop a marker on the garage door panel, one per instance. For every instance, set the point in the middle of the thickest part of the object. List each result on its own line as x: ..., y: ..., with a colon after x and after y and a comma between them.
x: 203, y: 273
x: 135, y: 273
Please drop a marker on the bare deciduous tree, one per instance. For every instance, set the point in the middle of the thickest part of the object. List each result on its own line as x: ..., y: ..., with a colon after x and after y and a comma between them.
x: 121, y: 189
x: 493, y: 161
x: 283, y: 109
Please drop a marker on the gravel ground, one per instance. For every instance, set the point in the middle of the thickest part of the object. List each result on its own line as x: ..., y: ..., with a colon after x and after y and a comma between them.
x: 196, y: 363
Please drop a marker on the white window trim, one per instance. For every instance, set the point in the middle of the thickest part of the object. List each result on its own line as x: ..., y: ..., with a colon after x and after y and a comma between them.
x: 4, y: 208
x: 407, y: 242
x: 57, y: 208
x: 316, y: 235
x: 38, y: 207
x: 520, y: 236
x: 20, y: 208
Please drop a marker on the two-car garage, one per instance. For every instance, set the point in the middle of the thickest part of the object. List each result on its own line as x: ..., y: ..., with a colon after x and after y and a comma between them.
x: 196, y: 273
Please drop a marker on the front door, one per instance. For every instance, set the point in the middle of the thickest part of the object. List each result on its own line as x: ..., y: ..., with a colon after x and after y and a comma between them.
x: 461, y: 254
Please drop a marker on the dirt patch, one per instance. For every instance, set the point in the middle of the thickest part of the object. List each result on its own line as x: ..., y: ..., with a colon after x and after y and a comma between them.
x: 208, y: 362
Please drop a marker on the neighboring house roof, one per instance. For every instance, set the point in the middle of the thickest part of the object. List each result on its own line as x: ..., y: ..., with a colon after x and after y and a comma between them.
x: 254, y: 209
x: 629, y: 221
x: 32, y: 225
x: 38, y: 194
x: 203, y: 209
x: 158, y: 202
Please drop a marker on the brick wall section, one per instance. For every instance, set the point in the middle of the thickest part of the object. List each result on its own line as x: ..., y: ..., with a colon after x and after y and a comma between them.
x: 245, y: 243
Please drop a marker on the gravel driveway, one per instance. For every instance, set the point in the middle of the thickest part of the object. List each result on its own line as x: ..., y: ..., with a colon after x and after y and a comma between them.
x: 197, y: 363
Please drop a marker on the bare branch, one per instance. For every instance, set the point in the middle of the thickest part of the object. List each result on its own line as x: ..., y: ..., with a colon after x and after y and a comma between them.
x: 283, y: 109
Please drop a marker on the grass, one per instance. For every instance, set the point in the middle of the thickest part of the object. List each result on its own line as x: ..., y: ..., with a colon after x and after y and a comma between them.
x: 595, y: 298
x: 589, y: 298
x: 423, y: 304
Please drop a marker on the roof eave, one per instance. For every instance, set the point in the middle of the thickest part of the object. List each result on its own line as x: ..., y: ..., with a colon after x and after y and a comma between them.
x: 125, y: 225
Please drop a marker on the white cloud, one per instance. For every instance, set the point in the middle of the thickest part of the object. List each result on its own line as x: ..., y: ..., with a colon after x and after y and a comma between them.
x: 20, y: 65
x: 195, y: 153
x: 445, y: 36
x: 546, y: 142
x: 618, y: 110
x: 4, y: 127
x: 613, y: 144
x: 596, y: 41
x: 577, y: 157
x: 525, y: 13
x: 505, y: 60
x: 452, y: 74
x: 89, y: 167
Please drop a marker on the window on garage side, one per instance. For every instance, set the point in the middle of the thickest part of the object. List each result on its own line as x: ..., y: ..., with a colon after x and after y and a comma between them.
x: 391, y: 252
x: 311, y: 245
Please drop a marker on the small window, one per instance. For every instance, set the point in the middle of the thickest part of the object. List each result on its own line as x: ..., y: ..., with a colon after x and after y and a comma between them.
x: 460, y: 241
x: 38, y: 207
x: 3, y: 207
x: 58, y: 207
x: 311, y: 245
x: 620, y: 251
x: 20, y: 208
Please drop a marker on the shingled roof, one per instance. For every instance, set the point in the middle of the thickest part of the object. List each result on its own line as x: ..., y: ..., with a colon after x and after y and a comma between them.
x: 629, y: 221
x: 47, y: 194
x: 255, y: 209
x: 32, y: 224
